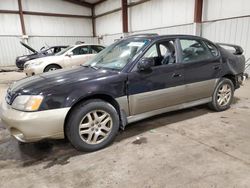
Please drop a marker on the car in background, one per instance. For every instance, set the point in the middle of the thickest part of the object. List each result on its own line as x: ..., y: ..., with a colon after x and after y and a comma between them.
x: 70, y: 56
x: 133, y: 79
x: 49, y: 51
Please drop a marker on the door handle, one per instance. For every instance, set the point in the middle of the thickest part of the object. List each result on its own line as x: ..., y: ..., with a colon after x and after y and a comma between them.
x: 217, y: 67
x: 176, y: 75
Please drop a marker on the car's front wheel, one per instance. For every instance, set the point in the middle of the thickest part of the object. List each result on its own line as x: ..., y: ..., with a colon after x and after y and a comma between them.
x: 51, y: 68
x: 92, y: 125
x: 223, y: 95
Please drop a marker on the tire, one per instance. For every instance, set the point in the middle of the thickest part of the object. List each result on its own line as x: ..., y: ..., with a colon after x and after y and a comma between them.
x: 223, y: 95
x: 51, y: 68
x: 92, y: 125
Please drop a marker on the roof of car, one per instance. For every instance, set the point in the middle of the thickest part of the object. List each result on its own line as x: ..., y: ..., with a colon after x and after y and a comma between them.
x: 156, y: 36
x: 86, y: 44
x: 63, y: 46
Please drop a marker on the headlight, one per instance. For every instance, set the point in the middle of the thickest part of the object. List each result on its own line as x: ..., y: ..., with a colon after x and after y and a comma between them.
x: 37, y: 63
x: 27, y: 102
x: 34, y: 63
x: 21, y: 58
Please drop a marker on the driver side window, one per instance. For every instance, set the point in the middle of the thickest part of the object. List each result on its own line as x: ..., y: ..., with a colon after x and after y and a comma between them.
x: 163, y: 53
x: 152, y: 52
x: 81, y: 50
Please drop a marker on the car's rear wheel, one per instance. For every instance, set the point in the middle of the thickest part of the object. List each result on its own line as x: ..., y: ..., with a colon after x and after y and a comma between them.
x: 51, y: 68
x: 223, y: 95
x: 92, y: 125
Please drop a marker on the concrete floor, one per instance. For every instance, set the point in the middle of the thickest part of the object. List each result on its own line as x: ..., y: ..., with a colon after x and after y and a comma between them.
x: 189, y: 148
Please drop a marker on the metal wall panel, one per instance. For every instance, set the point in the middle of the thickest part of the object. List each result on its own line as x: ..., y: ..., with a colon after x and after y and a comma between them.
x: 160, y: 13
x: 57, y: 26
x: 55, y: 6
x: 9, y: 49
x: 8, y: 5
x: 181, y: 29
x: 144, y: 18
x: 218, y: 9
x: 109, y: 24
x: 234, y: 31
x: 107, y: 6
x: 10, y: 24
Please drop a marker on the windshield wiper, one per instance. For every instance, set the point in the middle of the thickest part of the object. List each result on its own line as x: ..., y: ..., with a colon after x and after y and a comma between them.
x: 90, y: 66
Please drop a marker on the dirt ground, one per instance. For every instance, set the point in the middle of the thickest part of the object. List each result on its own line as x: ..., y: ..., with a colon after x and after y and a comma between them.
x: 189, y: 148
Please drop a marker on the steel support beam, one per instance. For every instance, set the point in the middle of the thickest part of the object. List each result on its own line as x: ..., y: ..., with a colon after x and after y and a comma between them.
x: 82, y: 3
x: 99, y: 2
x: 55, y: 14
x: 45, y: 14
x: 198, y: 17
x: 20, y: 9
x: 198, y: 11
x: 93, y: 21
x: 124, y: 16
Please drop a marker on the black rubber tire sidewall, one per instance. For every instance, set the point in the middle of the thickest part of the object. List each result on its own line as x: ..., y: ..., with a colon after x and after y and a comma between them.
x: 51, y: 66
x: 214, y: 104
x: 76, y: 115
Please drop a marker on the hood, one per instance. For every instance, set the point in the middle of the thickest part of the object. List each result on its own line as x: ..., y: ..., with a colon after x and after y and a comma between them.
x: 47, y: 81
x: 28, y: 47
x: 48, y: 59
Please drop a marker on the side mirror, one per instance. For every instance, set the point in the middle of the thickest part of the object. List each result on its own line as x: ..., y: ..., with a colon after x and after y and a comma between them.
x: 145, y: 64
x: 69, y: 54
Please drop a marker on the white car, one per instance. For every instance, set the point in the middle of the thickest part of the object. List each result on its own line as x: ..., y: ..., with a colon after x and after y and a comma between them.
x: 71, y: 56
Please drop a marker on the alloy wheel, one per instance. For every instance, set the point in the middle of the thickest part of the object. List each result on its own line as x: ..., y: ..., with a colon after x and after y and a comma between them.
x: 52, y: 69
x: 95, y: 127
x: 224, y: 95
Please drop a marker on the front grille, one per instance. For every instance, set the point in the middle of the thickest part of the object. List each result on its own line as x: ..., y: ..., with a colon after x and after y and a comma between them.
x: 26, y: 65
x: 8, y: 98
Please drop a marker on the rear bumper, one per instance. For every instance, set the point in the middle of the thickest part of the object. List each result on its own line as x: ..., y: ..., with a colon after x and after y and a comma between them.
x: 33, y: 126
x: 239, y: 80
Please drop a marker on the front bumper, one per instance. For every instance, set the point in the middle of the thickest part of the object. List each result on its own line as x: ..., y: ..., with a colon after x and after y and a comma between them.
x: 20, y: 64
x: 29, y: 71
x: 32, y: 70
x: 33, y: 126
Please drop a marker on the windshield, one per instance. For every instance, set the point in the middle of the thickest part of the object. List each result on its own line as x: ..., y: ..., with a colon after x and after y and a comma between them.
x: 117, y: 55
x: 64, y: 50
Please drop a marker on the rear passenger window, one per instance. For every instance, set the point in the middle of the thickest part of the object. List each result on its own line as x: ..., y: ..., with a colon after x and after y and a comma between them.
x: 193, y: 50
x: 212, y: 49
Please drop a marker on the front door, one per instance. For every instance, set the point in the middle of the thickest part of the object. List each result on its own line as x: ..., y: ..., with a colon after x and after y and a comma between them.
x: 160, y: 87
x: 80, y: 56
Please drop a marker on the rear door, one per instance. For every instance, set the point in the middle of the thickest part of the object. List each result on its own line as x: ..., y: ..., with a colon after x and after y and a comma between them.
x: 202, y: 66
x: 80, y: 55
x: 160, y: 87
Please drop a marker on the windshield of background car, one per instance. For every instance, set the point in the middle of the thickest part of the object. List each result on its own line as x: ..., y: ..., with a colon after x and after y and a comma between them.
x: 64, y: 50
x: 117, y: 55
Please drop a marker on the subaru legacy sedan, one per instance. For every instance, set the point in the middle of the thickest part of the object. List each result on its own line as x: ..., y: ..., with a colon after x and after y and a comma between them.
x: 134, y: 78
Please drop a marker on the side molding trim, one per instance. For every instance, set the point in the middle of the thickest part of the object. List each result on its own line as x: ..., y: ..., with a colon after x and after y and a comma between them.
x: 145, y: 115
